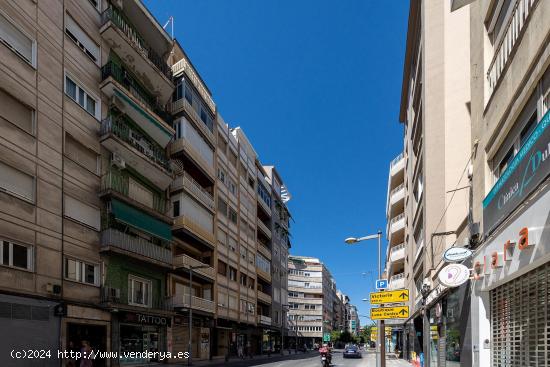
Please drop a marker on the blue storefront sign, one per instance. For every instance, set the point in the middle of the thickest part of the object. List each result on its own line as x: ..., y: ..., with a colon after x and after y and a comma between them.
x: 528, y: 169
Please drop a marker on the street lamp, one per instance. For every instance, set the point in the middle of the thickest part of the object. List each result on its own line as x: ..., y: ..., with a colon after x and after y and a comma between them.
x: 381, y: 328
x: 191, y: 268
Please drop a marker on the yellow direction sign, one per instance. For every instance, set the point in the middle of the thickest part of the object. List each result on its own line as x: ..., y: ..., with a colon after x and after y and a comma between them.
x: 379, y: 298
x: 383, y: 313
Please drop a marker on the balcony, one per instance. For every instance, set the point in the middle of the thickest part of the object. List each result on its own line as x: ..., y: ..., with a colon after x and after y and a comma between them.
x: 188, y: 183
x: 144, y: 61
x: 264, y: 229
x: 116, y: 181
x: 263, y: 274
x: 397, y: 169
x: 115, y: 240
x: 112, y: 296
x: 264, y: 250
x: 185, y: 261
x: 397, y: 281
x: 183, y: 66
x: 125, y: 92
x: 183, y: 105
x: 396, y: 201
x: 197, y: 303
x: 264, y: 297
x: 264, y: 320
x: 136, y: 150
x: 186, y: 222
x: 397, y: 253
x: 397, y: 229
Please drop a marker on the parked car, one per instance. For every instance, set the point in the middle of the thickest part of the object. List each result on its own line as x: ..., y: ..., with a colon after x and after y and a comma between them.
x: 352, y: 352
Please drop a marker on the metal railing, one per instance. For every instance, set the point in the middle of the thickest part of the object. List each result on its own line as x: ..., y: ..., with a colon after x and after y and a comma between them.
x: 189, y: 183
x: 122, y: 23
x: 119, y: 296
x: 197, y: 303
x: 397, y: 218
x: 264, y: 228
x: 264, y: 319
x: 116, y: 181
x: 119, y: 127
x: 397, y: 277
x: 115, y: 238
x: 396, y: 160
x: 132, y: 85
x: 397, y: 248
x: 396, y: 189
x: 182, y: 103
x: 517, y: 22
x: 185, y: 261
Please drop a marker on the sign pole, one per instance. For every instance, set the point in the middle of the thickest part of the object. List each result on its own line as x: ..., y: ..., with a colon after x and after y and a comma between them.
x: 382, y: 327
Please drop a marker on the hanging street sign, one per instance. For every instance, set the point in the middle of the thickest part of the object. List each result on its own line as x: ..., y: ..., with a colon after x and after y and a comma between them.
x: 454, y: 275
x: 326, y: 337
x: 381, y: 283
x: 456, y: 254
x: 384, y: 313
x: 379, y: 298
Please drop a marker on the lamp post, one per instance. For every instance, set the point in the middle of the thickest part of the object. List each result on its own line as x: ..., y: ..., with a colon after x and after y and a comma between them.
x: 381, y: 326
x: 189, y: 347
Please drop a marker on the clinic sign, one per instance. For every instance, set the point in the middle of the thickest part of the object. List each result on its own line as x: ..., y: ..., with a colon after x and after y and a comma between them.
x: 525, y: 172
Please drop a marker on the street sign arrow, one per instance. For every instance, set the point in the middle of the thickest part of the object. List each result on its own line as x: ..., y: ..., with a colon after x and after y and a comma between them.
x: 404, y: 295
x: 403, y: 312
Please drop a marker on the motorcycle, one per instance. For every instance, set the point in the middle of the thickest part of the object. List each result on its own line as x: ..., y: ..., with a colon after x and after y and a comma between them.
x: 325, y: 360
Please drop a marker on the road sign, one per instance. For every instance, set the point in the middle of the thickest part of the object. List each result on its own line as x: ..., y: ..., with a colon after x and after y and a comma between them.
x: 378, y: 298
x: 383, y: 313
x: 326, y: 337
x: 381, y: 283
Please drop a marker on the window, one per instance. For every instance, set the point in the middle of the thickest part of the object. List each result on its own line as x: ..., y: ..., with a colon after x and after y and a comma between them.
x: 263, y: 264
x: 243, y: 279
x: 232, y: 244
x: 139, y: 291
x: 418, y: 187
x: 503, y: 11
x: 251, y: 182
x: 251, y: 283
x: 222, y: 206
x: 309, y: 307
x: 17, y: 41
x: 243, y: 252
x: 82, y: 40
x: 17, y: 113
x: 96, y: 4
x: 15, y: 255
x: 16, y: 182
x: 222, y: 268
x: 232, y: 215
x: 83, y: 98
x: 232, y: 273
x: 293, y: 306
x: 82, y: 155
x: 233, y: 158
x: 80, y: 271
x: 176, y: 208
x: 505, y: 162
x: 251, y: 258
x: 221, y: 175
x: 222, y: 144
x: 82, y: 213
x: 222, y: 237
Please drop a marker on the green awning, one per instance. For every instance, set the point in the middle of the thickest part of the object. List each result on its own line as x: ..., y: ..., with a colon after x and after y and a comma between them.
x: 133, y: 217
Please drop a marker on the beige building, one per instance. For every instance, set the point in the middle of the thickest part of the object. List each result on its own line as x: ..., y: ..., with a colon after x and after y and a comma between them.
x: 428, y: 184
x: 510, y: 88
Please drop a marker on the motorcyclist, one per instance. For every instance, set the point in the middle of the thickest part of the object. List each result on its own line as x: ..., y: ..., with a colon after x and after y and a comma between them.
x: 326, y: 350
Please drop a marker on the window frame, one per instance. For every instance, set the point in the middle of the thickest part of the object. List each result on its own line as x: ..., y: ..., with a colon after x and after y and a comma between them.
x: 79, y: 43
x: 30, y: 254
x: 131, y: 280
x: 16, y: 195
x: 31, y: 62
x: 81, y: 271
x: 78, y: 84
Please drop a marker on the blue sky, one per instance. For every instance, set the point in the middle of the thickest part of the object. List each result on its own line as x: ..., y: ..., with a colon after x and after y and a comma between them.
x: 315, y: 84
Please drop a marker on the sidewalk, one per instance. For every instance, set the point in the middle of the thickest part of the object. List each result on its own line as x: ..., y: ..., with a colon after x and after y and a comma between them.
x: 257, y: 359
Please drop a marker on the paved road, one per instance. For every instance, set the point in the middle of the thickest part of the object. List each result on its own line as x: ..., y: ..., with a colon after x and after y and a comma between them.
x: 313, y: 360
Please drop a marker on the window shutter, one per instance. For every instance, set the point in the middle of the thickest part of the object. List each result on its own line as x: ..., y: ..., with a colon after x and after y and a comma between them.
x: 20, y: 43
x: 82, y: 37
x: 81, y: 212
x: 16, y: 182
x: 16, y: 112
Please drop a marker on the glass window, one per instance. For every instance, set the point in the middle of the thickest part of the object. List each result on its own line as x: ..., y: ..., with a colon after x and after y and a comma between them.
x: 176, y: 208
x: 17, y: 41
x: 15, y: 255
x: 80, y: 271
x: 139, y: 292
x: 80, y: 96
x: 70, y: 88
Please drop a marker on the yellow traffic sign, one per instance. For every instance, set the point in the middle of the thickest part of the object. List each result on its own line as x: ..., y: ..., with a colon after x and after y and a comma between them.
x: 383, y: 313
x: 379, y: 298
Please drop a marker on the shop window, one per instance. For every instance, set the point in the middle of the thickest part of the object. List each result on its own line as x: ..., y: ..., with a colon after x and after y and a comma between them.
x: 16, y: 255
x: 82, y: 272
x: 139, y: 291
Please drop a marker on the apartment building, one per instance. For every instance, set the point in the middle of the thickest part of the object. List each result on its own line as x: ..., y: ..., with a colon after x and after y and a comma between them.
x: 311, y: 295
x: 510, y: 88
x: 433, y: 169
x: 114, y: 225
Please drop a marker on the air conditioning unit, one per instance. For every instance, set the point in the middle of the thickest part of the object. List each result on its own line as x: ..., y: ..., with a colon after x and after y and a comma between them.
x: 53, y: 288
x: 118, y: 161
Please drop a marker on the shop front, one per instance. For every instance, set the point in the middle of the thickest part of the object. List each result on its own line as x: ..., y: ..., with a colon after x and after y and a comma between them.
x: 137, y: 336
x: 510, y: 305
x: 200, y: 336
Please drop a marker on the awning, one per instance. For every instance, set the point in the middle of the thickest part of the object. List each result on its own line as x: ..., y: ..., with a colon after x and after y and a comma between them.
x: 133, y: 217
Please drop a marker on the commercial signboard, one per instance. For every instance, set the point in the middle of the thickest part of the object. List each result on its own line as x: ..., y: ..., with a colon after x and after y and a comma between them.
x: 383, y: 313
x: 457, y: 254
x: 379, y: 298
x: 454, y: 275
x: 526, y: 171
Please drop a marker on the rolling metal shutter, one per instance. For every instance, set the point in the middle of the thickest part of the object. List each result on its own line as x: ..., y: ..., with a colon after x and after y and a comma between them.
x: 519, y: 320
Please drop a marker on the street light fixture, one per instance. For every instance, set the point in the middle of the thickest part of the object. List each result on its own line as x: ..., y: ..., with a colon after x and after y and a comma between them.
x: 381, y: 329
x: 191, y: 268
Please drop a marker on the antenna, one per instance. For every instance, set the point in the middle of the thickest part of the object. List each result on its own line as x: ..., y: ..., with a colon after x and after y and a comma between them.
x: 171, y: 21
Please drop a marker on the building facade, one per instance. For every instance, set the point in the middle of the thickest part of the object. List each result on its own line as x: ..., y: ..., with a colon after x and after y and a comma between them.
x: 428, y: 188
x: 127, y: 200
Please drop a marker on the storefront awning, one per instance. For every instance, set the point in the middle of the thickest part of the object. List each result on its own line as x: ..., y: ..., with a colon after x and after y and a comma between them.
x: 133, y: 217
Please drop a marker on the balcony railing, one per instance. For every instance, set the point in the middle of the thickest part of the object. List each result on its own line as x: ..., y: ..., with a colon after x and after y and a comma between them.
x: 396, y: 160
x: 123, y: 24
x: 116, y: 181
x: 119, y: 127
x: 397, y: 248
x: 182, y: 103
x: 132, y: 85
x: 264, y: 228
x: 517, y: 22
x: 189, y: 183
x: 119, y: 296
x: 266, y: 320
x: 396, y: 277
x: 115, y: 238
x: 396, y: 189
x: 185, y: 261
x: 197, y: 303
x: 264, y: 297
x: 397, y: 219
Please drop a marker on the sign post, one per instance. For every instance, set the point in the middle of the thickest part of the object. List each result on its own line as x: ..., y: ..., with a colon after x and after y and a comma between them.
x: 383, y: 313
x: 378, y: 298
